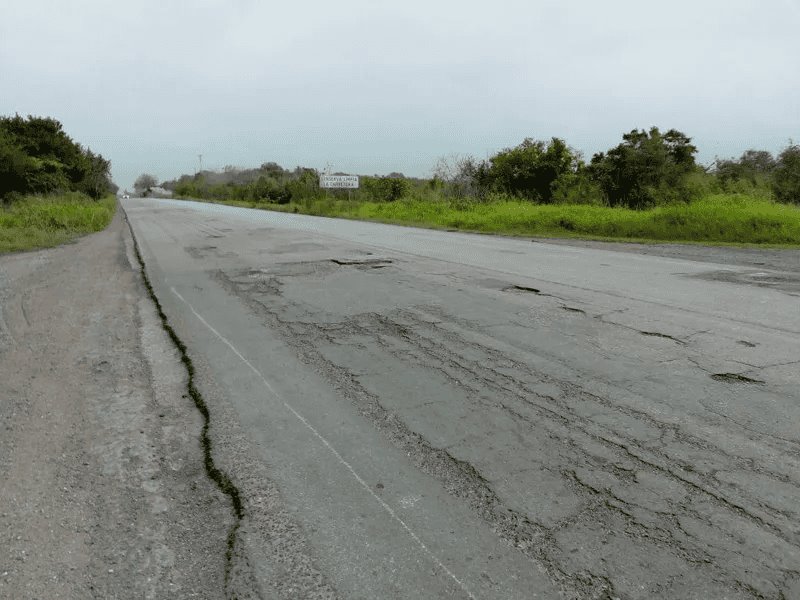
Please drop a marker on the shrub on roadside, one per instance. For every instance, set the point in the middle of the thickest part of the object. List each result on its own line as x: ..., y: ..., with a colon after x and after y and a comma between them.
x: 646, y: 169
x: 786, y: 175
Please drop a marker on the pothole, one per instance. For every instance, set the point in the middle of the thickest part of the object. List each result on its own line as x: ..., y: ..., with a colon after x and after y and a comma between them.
x: 735, y: 378
x: 370, y: 263
x: 521, y: 288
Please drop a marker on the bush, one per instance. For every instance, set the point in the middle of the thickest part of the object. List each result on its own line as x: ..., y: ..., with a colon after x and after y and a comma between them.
x: 786, y: 175
x: 36, y: 156
x: 646, y: 169
x: 385, y: 189
x: 577, y: 188
x: 530, y: 170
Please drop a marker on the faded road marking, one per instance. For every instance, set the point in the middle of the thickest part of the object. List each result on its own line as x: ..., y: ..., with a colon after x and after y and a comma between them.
x: 328, y: 445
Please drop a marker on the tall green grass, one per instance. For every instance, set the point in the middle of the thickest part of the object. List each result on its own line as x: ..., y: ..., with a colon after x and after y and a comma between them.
x: 41, y: 222
x: 719, y: 218
x: 716, y: 218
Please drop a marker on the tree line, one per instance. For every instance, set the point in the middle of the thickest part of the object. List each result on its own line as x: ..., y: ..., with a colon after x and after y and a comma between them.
x: 647, y: 168
x: 271, y: 183
x: 38, y: 157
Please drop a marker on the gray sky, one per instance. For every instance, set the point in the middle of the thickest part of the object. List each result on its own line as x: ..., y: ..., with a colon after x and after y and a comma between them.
x: 372, y: 88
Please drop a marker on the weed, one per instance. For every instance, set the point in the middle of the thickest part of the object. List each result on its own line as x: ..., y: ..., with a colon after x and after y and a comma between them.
x: 42, y: 222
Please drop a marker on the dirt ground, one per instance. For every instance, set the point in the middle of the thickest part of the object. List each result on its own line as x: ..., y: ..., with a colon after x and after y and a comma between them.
x: 103, y: 489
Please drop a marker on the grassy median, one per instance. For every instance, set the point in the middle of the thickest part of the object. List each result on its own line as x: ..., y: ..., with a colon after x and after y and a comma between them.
x: 716, y: 219
x: 42, y: 222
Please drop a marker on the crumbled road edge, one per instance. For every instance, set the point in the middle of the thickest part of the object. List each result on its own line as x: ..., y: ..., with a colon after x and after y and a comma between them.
x: 219, y: 477
x: 268, y: 555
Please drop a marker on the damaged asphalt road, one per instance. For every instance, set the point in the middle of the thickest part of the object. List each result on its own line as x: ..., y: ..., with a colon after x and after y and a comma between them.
x: 419, y: 414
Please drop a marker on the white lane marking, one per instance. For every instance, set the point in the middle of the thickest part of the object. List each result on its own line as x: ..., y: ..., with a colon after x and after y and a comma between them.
x: 328, y: 445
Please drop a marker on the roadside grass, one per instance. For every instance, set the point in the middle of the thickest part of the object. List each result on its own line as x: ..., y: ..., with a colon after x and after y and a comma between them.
x: 715, y: 219
x: 44, y: 221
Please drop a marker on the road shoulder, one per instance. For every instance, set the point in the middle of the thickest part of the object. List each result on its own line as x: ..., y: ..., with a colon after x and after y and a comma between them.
x: 104, y: 491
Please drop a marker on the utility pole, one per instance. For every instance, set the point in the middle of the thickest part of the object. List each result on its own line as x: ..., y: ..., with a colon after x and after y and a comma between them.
x: 200, y: 162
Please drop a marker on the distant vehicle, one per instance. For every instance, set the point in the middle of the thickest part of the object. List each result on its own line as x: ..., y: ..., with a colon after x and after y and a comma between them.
x: 124, y: 196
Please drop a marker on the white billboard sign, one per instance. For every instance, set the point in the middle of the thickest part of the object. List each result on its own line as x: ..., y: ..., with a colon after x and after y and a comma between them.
x: 338, y: 181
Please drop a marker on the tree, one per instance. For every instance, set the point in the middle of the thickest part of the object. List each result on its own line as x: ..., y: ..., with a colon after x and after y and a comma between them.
x: 144, y: 183
x: 272, y: 169
x: 44, y: 137
x: 37, y: 156
x: 15, y: 164
x: 531, y: 169
x: 304, y: 183
x: 386, y: 189
x: 759, y: 161
x: 647, y: 167
x: 459, y: 175
x: 786, y: 175
x: 270, y: 190
x: 95, y: 180
x: 754, y: 167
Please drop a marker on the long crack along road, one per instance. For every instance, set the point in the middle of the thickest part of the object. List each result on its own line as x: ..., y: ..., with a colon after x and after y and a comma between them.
x: 417, y: 414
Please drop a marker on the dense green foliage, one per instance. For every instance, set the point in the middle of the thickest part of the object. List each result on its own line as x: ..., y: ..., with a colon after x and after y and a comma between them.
x: 754, y: 168
x: 271, y: 183
x: 531, y: 170
x: 647, y: 187
x: 786, y: 175
x: 38, y: 157
x: 39, y: 222
x: 645, y: 169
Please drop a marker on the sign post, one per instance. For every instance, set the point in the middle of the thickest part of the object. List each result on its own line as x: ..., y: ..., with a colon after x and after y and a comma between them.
x: 349, y: 182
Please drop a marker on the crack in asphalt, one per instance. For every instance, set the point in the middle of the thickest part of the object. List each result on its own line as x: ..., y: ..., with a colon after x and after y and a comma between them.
x: 663, y: 335
x: 735, y: 378
x: 463, y: 480
x: 219, y: 477
x: 374, y: 263
x: 572, y: 418
x: 460, y: 478
x: 524, y: 288
x: 573, y: 309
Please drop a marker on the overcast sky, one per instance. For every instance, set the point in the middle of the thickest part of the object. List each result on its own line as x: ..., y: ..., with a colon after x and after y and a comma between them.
x: 373, y: 88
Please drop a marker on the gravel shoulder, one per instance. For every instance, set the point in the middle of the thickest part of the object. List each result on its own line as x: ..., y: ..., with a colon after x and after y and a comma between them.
x: 104, y: 492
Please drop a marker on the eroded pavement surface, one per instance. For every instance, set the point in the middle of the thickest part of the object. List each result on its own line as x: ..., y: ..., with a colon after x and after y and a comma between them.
x: 102, y: 488
x: 410, y: 413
